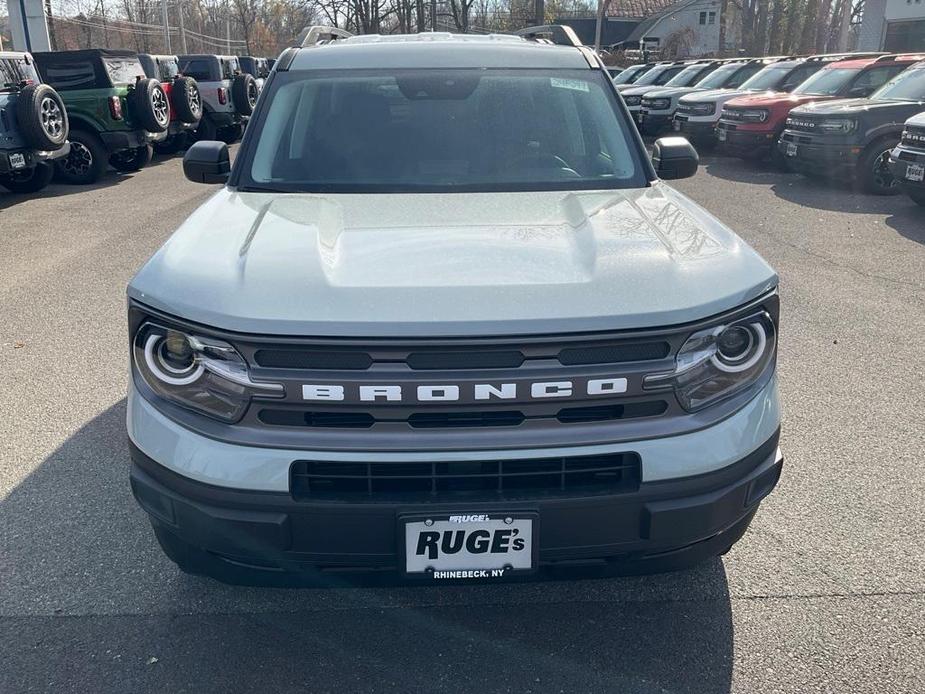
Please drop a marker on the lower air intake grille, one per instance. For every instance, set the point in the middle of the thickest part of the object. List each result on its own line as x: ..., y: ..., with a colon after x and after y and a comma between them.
x: 493, y: 479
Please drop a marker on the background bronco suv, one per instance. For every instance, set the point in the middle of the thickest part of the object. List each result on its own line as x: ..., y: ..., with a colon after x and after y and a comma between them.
x: 228, y: 94
x: 33, y: 125
x: 852, y: 138
x: 907, y: 160
x: 183, y: 95
x: 115, y: 111
x: 445, y: 319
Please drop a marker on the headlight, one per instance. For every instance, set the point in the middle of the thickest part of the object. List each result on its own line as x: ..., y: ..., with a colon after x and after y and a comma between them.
x: 632, y: 100
x: 837, y: 125
x: 659, y: 104
x: 703, y: 109
x: 758, y: 115
x: 718, y: 362
x: 196, y: 372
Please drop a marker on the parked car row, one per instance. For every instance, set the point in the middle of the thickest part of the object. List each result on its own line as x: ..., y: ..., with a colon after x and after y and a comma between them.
x: 856, y: 116
x: 74, y: 113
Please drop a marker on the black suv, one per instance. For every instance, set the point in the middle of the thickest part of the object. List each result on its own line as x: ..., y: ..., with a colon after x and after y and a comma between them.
x: 33, y: 125
x: 852, y: 138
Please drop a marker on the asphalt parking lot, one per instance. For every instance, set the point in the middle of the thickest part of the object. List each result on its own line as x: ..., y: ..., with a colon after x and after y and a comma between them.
x: 826, y: 593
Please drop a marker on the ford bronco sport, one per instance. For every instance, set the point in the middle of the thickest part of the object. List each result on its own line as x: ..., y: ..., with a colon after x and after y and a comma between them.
x: 182, y: 94
x: 659, y: 105
x: 700, y: 112
x: 852, y: 138
x: 631, y: 74
x: 33, y: 125
x: 754, y: 124
x: 907, y: 160
x: 657, y: 77
x: 115, y: 111
x: 228, y: 94
x: 444, y: 317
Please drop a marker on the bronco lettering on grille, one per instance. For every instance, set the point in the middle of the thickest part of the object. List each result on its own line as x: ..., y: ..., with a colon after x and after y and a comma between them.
x: 450, y: 392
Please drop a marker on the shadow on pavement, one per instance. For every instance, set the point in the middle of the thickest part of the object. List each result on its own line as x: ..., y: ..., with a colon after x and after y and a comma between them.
x: 91, y: 600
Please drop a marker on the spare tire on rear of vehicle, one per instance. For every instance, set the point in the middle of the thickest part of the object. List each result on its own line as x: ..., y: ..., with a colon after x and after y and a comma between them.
x: 148, y: 103
x: 244, y: 93
x: 186, y: 99
x: 42, y: 117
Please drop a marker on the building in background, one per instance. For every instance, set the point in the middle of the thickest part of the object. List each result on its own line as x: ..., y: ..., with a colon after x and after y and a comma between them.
x: 893, y: 25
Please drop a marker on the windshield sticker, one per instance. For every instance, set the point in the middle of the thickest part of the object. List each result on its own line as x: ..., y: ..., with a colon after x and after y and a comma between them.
x: 576, y: 85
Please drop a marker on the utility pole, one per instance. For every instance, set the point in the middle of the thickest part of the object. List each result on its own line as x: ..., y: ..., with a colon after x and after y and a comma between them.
x: 228, y: 28
x: 166, y: 26
x: 182, y: 28
x: 539, y: 7
x: 433, y: 15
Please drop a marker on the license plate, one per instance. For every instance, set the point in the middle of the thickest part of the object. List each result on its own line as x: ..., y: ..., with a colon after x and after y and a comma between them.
x: 721, y: 134
x: 915, y: 172
x: 454, y: 546
x: 676, y: 125
x: 791, y: 149
x: 18, y: 160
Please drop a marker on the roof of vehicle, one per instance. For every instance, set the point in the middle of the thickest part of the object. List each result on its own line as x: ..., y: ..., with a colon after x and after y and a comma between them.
x: 158, y: 56
x: 883, y: 59
x: 16, y: 55
x: 437, y: 50
x: 84, y: 54
x: 208, y: 55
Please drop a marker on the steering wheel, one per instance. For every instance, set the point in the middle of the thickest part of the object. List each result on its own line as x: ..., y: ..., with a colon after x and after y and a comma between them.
x: 544, y: 160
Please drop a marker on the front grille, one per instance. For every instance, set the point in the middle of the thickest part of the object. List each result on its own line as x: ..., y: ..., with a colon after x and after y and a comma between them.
x: 733, y: 115
x: 615, y: 473
x: 436, y: 358
x: 459, y: 419
x: 914, y: 137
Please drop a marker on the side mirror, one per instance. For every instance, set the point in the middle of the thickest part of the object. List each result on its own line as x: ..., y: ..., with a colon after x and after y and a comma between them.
x: 674, y: 157
x: 207, y: 162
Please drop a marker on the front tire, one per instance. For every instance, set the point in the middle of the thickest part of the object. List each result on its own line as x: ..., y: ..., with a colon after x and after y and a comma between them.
x: 129, y: 160
x: 86, y: 162
x: 874, y: 173
x: 31, y: 181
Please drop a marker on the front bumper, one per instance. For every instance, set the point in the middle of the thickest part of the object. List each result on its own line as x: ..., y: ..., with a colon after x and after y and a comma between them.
x: 837, y: 159
x: 654, y: 122
x: 31, y: 158
x: 272, y: 530
x: 746, y: 143
x: 906, y: 166
x: 697, y: 490
x: 695, y: 129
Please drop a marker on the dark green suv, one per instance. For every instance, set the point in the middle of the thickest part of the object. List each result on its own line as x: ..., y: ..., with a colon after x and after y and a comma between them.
x: 115, y: 111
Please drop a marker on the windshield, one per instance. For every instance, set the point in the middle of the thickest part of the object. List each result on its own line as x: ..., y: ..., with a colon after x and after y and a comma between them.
x: 688, y: 76
x: 123, y: 70
x: 15, y: 70
x: 720, y: 76
x: 828, y: 81
x: 769, y: 78
x: 659, y: 75
x: 629, y: 74
x: 906, y: 86
x: 442, y: 131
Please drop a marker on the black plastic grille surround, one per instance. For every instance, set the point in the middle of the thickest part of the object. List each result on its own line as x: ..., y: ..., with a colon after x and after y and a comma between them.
x: 612, y: 473
x: 914, y: 137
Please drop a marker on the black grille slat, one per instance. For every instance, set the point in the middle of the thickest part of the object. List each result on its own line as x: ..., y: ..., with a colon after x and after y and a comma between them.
x: 464, y: 360
x: 603, y: 474
x: 614, y: 353
x: 313, y: 359
x: 300, y: 418
x: 605, y: 413
x: 434, y: 420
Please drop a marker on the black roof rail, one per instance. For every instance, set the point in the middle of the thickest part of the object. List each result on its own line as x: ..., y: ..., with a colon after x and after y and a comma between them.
x: 320, y: 34
x: 844, y: 56
x: 911, y: 55
x: 559, y: 34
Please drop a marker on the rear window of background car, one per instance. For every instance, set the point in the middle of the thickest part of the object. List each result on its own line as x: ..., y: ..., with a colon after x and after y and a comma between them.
x: 199, y: 69
x: 15, y: 70
x: 71, y: 75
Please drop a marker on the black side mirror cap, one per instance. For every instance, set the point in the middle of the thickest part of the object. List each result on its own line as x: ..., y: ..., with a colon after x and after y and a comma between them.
x: 674, y: 158
x: 207, y: 162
